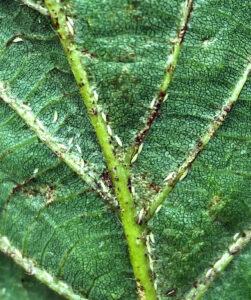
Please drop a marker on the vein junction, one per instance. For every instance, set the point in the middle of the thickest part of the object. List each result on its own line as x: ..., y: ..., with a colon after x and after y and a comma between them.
x: 81, y: 167
x: 119, y: 172
x: 161, y: 94
x: 176, y: 175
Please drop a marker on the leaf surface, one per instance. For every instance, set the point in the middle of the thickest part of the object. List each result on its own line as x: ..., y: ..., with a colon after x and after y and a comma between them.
x: 159, y: 150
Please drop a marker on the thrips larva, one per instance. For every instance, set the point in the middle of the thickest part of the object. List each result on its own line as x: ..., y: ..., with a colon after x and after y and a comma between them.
x: 170, y: 176
x: 40, y: 124
x: 103, y: 115
x: 55, y: 116
x: 17, y: 39
x: 118, y: 140
x: 152, y: 103
x: 109, y: 130
x: 134, y: 158
x: 140, y: 148
x: 25, y: 106
x: 79, y: 149
x: 95, y: 94
x: 183, y: 175
x: 158, y: 208
x: 152, y: 237
x: 140, y: 215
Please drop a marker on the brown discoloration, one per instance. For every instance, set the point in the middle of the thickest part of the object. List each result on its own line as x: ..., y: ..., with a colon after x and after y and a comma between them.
x: 81, y: 84
x: 154, y: 187
x: 154, y: 113
x: 183, y: 30
x: 200, y: 143
x: 129, y: 185
x: 56, y: 24
x: 93, y: 112
x: 107, y: 179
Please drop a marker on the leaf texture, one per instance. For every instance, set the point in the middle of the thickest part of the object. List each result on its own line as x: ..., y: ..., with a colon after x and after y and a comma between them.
x: 169, y: 82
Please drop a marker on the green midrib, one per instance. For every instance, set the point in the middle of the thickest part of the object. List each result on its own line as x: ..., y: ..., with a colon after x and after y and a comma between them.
x: 119, y: 173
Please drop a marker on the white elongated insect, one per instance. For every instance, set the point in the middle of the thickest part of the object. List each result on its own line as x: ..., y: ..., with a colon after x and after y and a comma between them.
x: 82, y: 164
x: 118, y: 140
x: 17, y: 39
x: 158, y: 208
x: 209, y: 272
x: 140, y: 148
x: 152, y: 103
x: 55, y: 116
x: 133, y: 190
x: 169, y: 176
x: 69, y: 23
x: 40, y: 124
x: 236, y: 236
x: 95, y: 95
x: 103, y: 115
x: 25, y: 106
x: 35, y: 171
x: 134, y: 158
x: 152, y: 237
x: 70, y: 141
x: 109, y: 129
x: 183, y: 175
x: 141, y: 215
x: 79, y: 149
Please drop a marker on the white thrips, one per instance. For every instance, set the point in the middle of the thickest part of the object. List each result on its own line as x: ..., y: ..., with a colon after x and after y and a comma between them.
x: 70, y: 141
x: 152, y: 237
x: 69, y: 23
x: 148, y: 247
x: 79, y: 149
x: 183, y: 175
x: 109, y: 130
x: 169, y: 176
x: 17, y: 39
x: 25, y: 107
x: 140, y: 148
x: 133, y: 190
x: 236, y: 236
x: 82, y: 164
x: 95, y: 95
x: 152, y: 103
x: 40, y: 124
x: 141, y: 215
x: 209, y: 272
x: 158, y: 208
x: 55, y: 116
x: 134, y: 158
x: 118, y: 141
x: 103, y: 115
x: 103, y: 185
x: 35, y: 171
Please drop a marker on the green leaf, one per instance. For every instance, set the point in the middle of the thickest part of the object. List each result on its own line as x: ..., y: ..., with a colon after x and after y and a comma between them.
x: 125, y: 168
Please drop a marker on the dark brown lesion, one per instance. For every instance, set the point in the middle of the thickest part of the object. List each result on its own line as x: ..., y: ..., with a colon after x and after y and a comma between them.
x: 154, y: 113
x: 184, y: 28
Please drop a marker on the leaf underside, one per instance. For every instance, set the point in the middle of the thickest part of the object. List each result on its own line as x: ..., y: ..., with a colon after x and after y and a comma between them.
x: 61, y: 219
